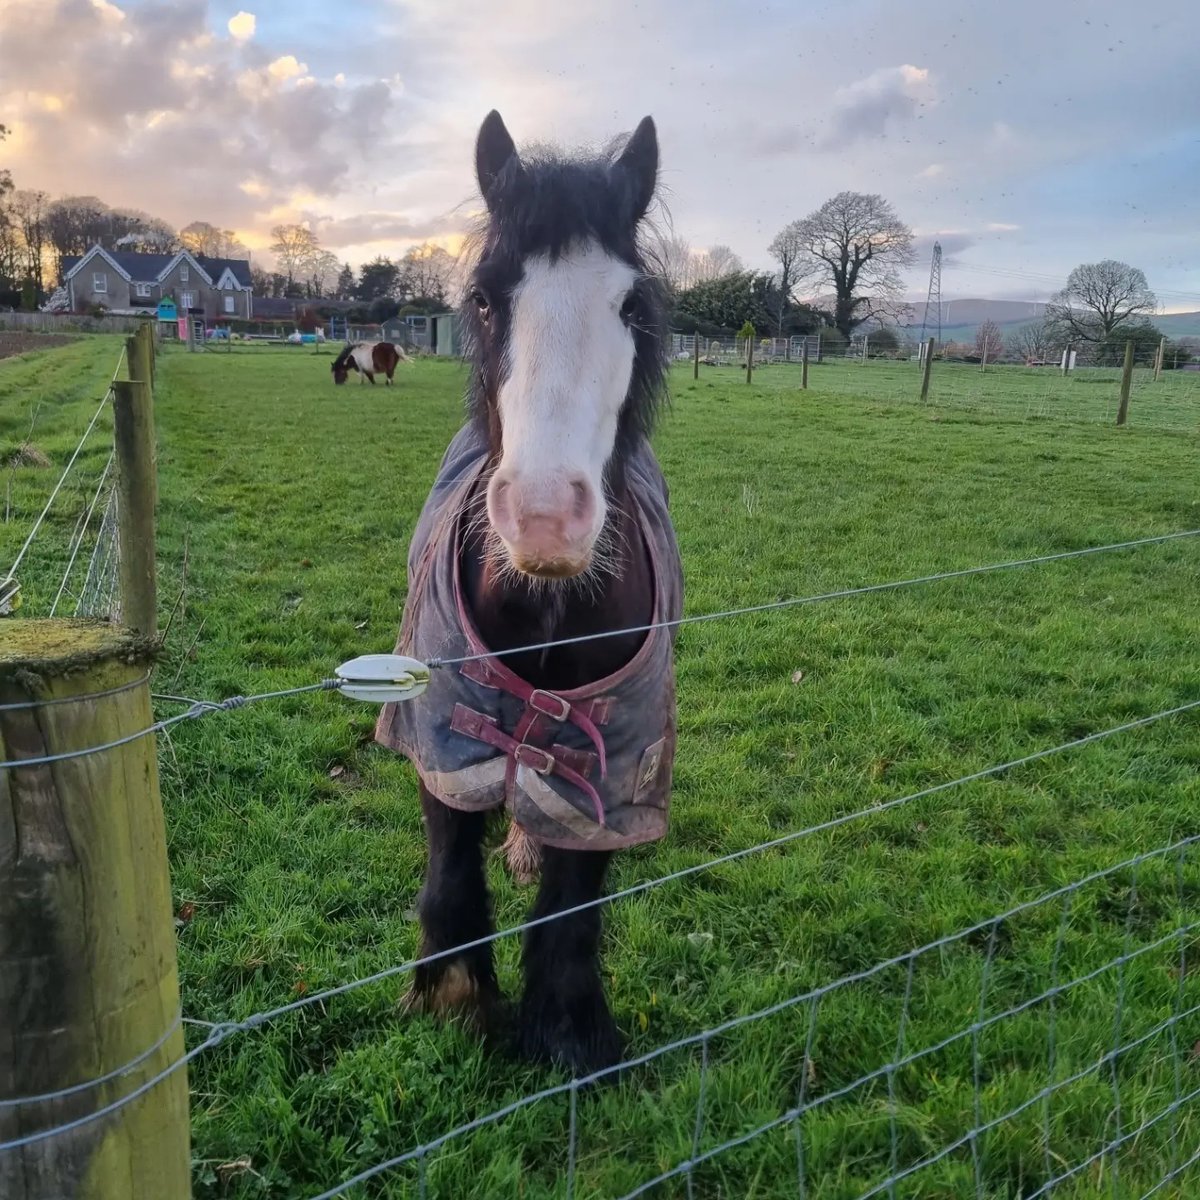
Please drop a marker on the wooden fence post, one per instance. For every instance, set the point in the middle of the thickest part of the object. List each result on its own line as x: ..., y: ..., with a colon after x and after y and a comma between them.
x: 866, y: 343
x: 1158, y: 359
x: 133, y: 435
x: 696, y: 356
x: 1066, y: 366
x: 804, y: 365
x: 983, y: 357
x: 925, y: 370
x: 749, y: 358
x: 1126, y: 383
x: 88, y: 976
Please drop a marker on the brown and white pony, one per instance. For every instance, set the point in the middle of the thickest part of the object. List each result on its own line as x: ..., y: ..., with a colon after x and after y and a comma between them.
x: 368, y: 359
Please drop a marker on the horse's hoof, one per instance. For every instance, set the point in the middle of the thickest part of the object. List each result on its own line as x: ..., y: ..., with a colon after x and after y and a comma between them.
x: 581, y: 1047
x: 452, y: 992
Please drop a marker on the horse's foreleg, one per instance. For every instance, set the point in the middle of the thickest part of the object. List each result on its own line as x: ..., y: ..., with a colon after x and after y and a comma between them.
x: 455, y: 909
x: 371, y: 376
x: 564, y: 1017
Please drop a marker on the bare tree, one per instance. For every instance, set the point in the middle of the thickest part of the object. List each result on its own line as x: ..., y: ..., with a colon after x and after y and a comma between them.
x: 855, y: 244
x: 1098, y: 298
x: 293, y: 247
x: 130, y: 229
x: 715, y: 263
x: 1033, y: 342
x: 29, y: 215
x: 202, y: 238
x: 989, y: 341
x: 675, y: 257
x: 785, y: 250
x: 322, y: 269
x: 427, y: 272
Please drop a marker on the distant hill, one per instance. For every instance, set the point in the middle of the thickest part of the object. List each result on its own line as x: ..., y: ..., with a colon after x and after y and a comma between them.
x: 961, y: 318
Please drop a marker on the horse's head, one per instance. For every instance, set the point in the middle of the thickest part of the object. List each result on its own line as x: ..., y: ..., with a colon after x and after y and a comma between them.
x: 340, y: 367
x: 565, y: 322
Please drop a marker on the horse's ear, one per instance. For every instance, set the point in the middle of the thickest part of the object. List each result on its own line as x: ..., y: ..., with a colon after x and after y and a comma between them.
x: 494, y: 148
x: 637, y: 167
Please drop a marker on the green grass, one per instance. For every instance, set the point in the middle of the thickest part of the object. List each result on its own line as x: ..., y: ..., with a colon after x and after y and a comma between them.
x: 47, y: 400
x: 295, y: 501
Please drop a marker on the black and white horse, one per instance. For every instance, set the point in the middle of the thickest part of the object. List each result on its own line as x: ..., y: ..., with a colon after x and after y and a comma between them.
x: 565, y: 322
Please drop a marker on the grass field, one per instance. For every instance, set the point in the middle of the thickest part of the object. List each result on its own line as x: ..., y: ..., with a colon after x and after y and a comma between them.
x: 296, y: 844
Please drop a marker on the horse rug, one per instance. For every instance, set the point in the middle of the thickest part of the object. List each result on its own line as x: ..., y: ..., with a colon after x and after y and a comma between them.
x: 583, y: 769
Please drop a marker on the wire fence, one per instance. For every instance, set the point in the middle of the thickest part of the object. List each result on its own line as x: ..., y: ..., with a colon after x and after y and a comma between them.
x: 95, y: 595
x: 1027, y: 1066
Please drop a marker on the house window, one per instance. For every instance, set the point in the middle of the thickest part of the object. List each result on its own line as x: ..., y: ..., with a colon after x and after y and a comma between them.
x: 187, y: 299
x: 143, y: 289
x: 99, y: 282
x: 231, y: 304
x: 183, y: 273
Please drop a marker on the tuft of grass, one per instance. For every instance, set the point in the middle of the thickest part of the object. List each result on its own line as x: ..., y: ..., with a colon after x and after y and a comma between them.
x: 297, y: 848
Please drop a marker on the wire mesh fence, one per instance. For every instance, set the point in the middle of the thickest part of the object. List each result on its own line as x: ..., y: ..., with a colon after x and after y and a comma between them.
x: 1047, y: 1049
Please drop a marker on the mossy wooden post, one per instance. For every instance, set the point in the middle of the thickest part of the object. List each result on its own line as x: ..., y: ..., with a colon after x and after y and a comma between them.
x: 88, y: 979
x: 925, y: 369
x: 749, y: 359
x: 133, y: 435
x: 696, y: 355
x: 1126, y: 383
x: 1159, y: 357
x: 804, y: 364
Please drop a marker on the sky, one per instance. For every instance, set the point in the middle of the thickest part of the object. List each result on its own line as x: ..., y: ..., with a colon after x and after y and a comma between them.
x: 1025, y: 137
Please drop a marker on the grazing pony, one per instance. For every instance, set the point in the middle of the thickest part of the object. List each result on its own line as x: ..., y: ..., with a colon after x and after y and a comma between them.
x: 548, y: 521
x: 368, y: 359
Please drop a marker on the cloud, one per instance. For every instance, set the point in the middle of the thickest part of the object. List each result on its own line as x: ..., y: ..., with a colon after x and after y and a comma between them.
x: 241, y: 26
x: 932, y: 171
x: 1001, y: 227
x: 216, y: 129
x: 864, y: 109
x: 369, y: 228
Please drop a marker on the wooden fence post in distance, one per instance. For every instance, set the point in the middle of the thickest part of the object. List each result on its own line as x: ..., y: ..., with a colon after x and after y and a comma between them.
x: 749, y: 358
x: 1158, y: 359
x: 88, y: 978
x: 926, y: 368
x: 804, y: 364
x: 133, y: 436
x: 1126, y: 382
x: 696, y: 356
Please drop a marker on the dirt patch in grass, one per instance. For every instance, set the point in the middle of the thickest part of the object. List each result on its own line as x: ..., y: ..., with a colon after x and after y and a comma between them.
x: 18, y: 342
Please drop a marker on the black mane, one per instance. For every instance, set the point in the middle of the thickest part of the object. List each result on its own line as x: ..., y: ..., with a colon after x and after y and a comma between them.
x: 549, y: 203
x: 344, y: 357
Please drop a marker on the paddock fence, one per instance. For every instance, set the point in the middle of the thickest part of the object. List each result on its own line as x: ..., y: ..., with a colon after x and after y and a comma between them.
x: 1070, y: 1015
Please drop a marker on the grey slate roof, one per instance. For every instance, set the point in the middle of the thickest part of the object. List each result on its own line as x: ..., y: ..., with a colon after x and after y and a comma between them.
x: 145, y: 268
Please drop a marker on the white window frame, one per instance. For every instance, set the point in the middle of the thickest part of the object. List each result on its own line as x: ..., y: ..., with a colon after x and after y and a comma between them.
x: 187, y: 300
x: 231, y: 305
x: 183, y: 273
x: 99, y: 283
x: 143, y: 289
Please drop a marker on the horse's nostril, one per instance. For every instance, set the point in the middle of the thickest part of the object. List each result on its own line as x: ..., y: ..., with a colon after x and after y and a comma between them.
x: 581, y: 500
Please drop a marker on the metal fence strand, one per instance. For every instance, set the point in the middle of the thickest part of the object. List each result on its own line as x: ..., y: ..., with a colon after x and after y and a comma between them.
x: 41, y: 517
x: 842, y: 594
x: 708, y: 865
x: 88, y: 1084
x: 815, y: 995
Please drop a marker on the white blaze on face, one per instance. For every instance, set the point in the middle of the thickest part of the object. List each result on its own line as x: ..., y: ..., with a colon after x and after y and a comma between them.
x: 570, y: 360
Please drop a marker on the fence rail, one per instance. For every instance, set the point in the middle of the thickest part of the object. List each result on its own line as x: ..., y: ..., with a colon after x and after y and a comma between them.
x: 39, y: 322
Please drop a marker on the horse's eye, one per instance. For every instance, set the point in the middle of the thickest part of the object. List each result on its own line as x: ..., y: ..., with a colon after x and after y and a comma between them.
x: 481, y: 302
x: 629, y: 307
